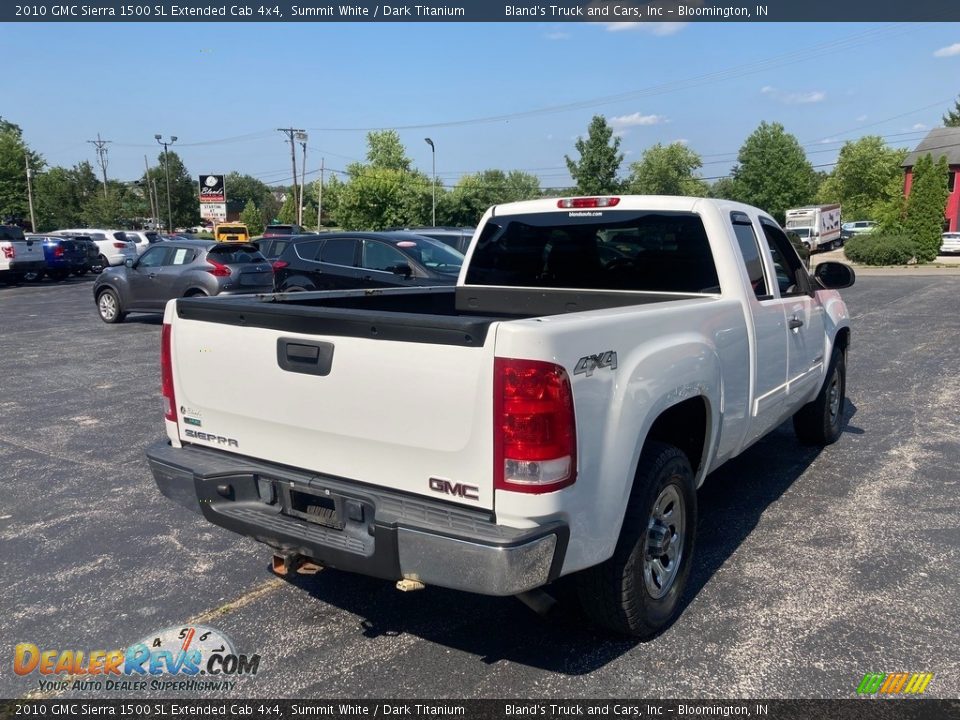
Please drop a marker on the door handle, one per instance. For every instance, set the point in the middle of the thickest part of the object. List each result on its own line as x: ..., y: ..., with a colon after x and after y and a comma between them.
x: 795, y: 323
x: 303, y: 356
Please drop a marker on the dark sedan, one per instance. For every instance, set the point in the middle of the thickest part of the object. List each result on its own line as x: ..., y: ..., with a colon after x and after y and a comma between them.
x: 338, y: 261
x: 180, y: 268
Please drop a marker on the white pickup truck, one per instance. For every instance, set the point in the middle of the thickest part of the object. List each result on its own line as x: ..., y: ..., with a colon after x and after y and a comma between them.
x: 19, y: 254
x: 553, y: 414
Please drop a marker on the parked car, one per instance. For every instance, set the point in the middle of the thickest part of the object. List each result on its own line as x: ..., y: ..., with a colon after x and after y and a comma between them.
x: 273, y: 247
x: 114, y: 247
x: 281, y: 230
x: 456, y: 237
x: 93, y: 262
x: 63, y: 257
x: 365, y: 260
x: 19, y: 254
x: 857, y: 227
x: 143, y: 239
x: 180, y: 268
x: 951, y: 243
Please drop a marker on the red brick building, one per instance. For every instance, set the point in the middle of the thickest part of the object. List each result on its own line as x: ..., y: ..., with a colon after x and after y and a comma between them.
x: 940, y: 142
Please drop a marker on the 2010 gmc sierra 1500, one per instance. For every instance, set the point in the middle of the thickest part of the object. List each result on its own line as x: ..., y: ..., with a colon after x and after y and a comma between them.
x: 552, y: 414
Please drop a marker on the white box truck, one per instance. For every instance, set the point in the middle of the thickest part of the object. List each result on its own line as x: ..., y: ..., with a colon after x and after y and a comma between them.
x: 817, y: 225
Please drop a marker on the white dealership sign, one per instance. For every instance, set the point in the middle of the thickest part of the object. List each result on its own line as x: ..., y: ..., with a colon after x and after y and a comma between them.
x: 213, y: 211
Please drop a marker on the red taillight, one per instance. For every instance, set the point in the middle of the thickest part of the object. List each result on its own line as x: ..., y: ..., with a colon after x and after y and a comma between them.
x: 58, y: 251
x: 588, y: 202
x: 166, y: 375
x: 279, y: 265
x: 218, y: 269
x: 120, y: 246
x: 534, y: 432
x: 9, y: 252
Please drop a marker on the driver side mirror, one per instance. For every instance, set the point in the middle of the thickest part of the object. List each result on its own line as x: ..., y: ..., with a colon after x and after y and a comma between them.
x: 834, y: 275
x: 129, y: 262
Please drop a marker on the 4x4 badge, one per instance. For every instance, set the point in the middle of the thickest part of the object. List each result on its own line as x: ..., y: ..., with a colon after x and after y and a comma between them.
x: 587, y: 364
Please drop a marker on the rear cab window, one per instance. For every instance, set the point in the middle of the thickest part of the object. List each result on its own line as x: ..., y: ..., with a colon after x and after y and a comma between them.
x: 647, y: 251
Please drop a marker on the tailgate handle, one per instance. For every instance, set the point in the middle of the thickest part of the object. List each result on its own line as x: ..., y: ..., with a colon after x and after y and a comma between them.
x: 300, y: 356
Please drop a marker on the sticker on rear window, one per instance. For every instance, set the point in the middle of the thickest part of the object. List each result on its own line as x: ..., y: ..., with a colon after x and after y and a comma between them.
x: 406, y: 244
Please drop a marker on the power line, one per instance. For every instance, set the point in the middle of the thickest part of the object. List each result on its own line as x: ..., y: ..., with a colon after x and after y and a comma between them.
x: 101, y: 146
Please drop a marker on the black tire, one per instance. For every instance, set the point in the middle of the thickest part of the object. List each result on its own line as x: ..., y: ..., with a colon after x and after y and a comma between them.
x: 820, y: 421
x: 617, y: 593
x: 104, y: 264
x: 32, y: 276
x: 109, y: 308
x: 81, y: 272
x: 59, y: 275
x: 195, y: 293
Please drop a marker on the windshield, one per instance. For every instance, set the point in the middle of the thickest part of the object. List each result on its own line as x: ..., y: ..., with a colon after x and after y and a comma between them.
x: 801, y: 231
x: 603, y: 250
x: 432, y: 254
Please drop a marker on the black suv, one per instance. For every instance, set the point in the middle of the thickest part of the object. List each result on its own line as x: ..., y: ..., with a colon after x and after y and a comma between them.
x: 456, y: 237
x: 349, y: 260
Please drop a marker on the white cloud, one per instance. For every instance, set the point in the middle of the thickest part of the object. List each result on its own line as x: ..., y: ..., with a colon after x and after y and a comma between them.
x: 828, y: 141
x: 919, y: 126
x: 558, y: 35
x: 794, y: 98
x: 681, y: 141
x: 635, y: 119
x: 661, y: 29
x: 948, y: 51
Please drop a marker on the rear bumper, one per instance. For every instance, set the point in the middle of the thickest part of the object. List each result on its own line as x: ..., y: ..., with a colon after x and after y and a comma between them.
x: 379, y: 533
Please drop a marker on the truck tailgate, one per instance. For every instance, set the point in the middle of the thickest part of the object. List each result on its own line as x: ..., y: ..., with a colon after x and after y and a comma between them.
x: 388, y: 412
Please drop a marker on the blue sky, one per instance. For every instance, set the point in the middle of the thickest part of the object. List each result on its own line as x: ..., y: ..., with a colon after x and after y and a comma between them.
x: 707, y: 84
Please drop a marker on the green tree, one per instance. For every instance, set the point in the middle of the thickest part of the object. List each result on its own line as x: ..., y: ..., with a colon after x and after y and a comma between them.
x: 244, y: 188
x: 384, y: 150
x: 473, y: 194
x: 600, y: 158
x: 184, y: 201
x: 288, y: 211
x: 952, y: 118
x: 773, y: 172
x: 866, y: 178
x: 724, y: 188
x: 252, y: 218
x: 667, y: 170
x: 925, y: 206
x: 60, y: 195
x: 13, y: 171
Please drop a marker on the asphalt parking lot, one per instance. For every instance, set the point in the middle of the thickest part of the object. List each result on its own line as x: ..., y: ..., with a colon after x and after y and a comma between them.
x: 813, y: 567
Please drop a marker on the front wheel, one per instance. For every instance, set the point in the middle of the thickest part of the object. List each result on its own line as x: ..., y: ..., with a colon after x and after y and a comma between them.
x: 820, y: 421
x: 108, y: 306
x: 637, y: 591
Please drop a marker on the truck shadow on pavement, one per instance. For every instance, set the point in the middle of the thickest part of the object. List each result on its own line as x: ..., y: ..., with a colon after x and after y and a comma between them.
x: 731, y: 503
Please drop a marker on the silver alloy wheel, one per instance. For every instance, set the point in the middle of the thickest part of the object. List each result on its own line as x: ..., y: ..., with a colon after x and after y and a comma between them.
x: 663, y: 548
x: 107, y: 305
x: 833, y: 396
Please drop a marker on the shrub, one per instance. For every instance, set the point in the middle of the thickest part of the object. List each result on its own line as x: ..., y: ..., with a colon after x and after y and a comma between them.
x: 877, y: 249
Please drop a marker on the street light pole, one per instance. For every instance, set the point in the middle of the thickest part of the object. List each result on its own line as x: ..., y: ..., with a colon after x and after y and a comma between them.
x: 433, y: 156
x: 166, y: 169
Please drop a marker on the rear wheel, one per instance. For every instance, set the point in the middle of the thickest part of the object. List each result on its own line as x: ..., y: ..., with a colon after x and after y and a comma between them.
x: 33, y: 275
x: 59, y: 275
x: 637, y: 591
x: 108, y: 306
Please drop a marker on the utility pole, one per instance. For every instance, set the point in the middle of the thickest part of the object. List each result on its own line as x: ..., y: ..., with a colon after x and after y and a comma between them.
x: 33, y: 219
x: 166, y: 168
x: 293, y: 159
x: 302, y: 139
x: 101, y: 146
x: 320, y: 199
x: 433, y: 156
x: 151, y: 198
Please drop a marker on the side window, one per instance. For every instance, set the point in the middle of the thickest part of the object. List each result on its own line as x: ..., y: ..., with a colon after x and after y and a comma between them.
x: 182, y: 256
x: 339, y: 251
x: 750, y: 251
x: 380, y: 256
x: 154, y: 257
x: 792, y: 278
x: 308, y: 250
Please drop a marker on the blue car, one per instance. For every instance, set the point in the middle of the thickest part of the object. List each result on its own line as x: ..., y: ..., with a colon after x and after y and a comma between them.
x: 63, y: 257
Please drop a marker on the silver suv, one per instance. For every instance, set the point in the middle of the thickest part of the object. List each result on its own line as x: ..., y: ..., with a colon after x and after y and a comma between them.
x: 180, y: 268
